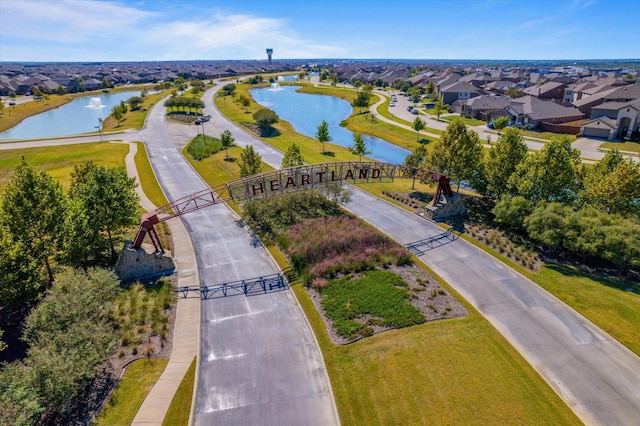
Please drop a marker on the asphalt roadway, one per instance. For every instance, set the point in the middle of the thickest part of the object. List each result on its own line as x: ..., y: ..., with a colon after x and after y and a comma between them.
x: 259, y: 362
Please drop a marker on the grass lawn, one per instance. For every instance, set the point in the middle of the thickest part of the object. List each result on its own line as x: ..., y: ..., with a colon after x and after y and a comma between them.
x: 147, y: 177
x: 178, y: 412
x: 133, y: 119
x: 58, y: 161
x: 465, y: 120
x: 125, y: 401
x: 459, y: 371
x: 622, y: 146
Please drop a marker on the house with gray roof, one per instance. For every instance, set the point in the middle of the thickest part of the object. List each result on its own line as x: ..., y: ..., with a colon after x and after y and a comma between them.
x: 483, y: 107
x: 532, y: 111
x: 549, y: 91
x: 623, y: 116
x: 455, y: 91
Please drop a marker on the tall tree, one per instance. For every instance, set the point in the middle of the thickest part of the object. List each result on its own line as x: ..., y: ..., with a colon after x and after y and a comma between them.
x: 323, y: 133
x: 117, y: 113
x: 293, y: 157
x: 550, y: 174
x: 109, y: 198
x: 362, y: 99
x: 414, y: 162
x: 418, y: 125
x: 457, y: 154
x: 359, y: 146
x: 227, y: 140
x: 250, y: 162
x: 503, y: 159
x: 617, y: 191
x: 245, y: 102
x: 33, y: 209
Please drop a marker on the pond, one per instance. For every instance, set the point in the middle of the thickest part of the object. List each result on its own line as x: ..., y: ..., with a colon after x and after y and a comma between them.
x: 78, y: 116
x: 305, y: 112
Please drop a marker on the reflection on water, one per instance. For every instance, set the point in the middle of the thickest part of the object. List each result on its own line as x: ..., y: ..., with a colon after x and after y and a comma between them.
x: 305, y: 112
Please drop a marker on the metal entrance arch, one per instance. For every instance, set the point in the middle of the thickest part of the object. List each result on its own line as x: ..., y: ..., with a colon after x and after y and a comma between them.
x: 284, y: 181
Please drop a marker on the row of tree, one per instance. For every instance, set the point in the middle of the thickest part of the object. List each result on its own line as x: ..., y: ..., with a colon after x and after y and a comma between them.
x: 43, y: 229
x: 524, y: 184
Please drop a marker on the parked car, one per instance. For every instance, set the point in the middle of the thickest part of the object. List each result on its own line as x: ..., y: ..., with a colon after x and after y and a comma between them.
x: 490, y: 124
x: 392, y: 104
x: 414, y: 111
x: 11, y: 103
x: 410, y: 107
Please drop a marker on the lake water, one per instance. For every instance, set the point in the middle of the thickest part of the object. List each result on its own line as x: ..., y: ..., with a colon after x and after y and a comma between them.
x: 78, y: 116
x: 305, y: 112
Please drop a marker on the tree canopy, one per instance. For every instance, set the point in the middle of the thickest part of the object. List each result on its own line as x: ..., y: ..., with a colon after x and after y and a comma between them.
x: 293, y: 157
x: 457, y: 154
x: 265, y: 118
x: 503, y: 159
x: 359, y: 146
x: 250, y: 162
x: 322, y: 133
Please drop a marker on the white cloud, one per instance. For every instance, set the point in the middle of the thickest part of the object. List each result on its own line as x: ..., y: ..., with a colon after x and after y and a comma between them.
x: 106, y: 30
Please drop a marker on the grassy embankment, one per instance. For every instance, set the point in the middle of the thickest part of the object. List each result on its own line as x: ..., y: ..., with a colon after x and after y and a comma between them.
x: 451, y: 372
x: 125, y: 401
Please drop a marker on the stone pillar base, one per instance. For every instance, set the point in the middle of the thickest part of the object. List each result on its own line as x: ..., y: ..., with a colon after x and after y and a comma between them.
x: 138, y: 264
x: 448, y: 207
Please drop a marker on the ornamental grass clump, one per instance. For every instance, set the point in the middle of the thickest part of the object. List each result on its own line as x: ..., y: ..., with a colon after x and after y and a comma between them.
x: 333, y: 246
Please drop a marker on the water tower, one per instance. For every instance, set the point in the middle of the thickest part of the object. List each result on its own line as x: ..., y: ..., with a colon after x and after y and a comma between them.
x: 269, y: 53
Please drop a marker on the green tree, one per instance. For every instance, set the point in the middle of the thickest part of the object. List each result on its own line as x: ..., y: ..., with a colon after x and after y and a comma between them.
x: 60, y: 90
x: 438, y: 106
x: 135, y: 102
x: 457, y: 154
x: 415, y: 93
x: 109, y: 198
x: 503, y: 159
x: 105, y: 83
x: 21, y: 277
x: 418, y: 125
x: 19, y: 400
x: 117, y: 113
x: 227, y: 140
x: 322, y: 134
x: 511, y: 211
x: 33, y: 209
x: 245, y: 102
x: 359, y: 146
x: 362, y: 100
x: 69, y: 335
x: 618, y: 191
x: 293, y: 157
x: 265, y: 118
x: 550, y: 174
x: 414, y: 162
x: 250, y: 162
x: 500, y: 122
x: 549, y: 224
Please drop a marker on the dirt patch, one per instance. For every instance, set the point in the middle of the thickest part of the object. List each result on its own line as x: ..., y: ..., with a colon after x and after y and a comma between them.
x: 427, y: 295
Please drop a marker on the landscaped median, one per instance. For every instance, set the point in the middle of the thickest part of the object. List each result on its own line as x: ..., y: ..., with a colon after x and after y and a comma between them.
x: 451, y: 371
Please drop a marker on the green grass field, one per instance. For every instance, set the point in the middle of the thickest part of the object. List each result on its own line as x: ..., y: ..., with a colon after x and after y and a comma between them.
x: 622, y: 146
x: 59, y: 160
x: 178, y: 412
x: 125, y: 401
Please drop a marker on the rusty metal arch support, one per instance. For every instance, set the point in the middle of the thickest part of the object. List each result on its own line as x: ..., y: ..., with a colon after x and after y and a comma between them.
x: 284, y: 181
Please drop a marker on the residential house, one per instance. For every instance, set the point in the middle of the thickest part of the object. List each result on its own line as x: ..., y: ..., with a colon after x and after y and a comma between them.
x: 548, y: 91
x: 483, y: 107
x: 457, y: 91
x: 534, y: 112
x: 614, y: 120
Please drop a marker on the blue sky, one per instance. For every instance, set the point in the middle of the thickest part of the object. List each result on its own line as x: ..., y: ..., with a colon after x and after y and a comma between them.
x: 147, y: 30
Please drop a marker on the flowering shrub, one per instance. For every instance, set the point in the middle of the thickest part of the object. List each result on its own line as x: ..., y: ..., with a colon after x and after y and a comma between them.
x: 327, y: 247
